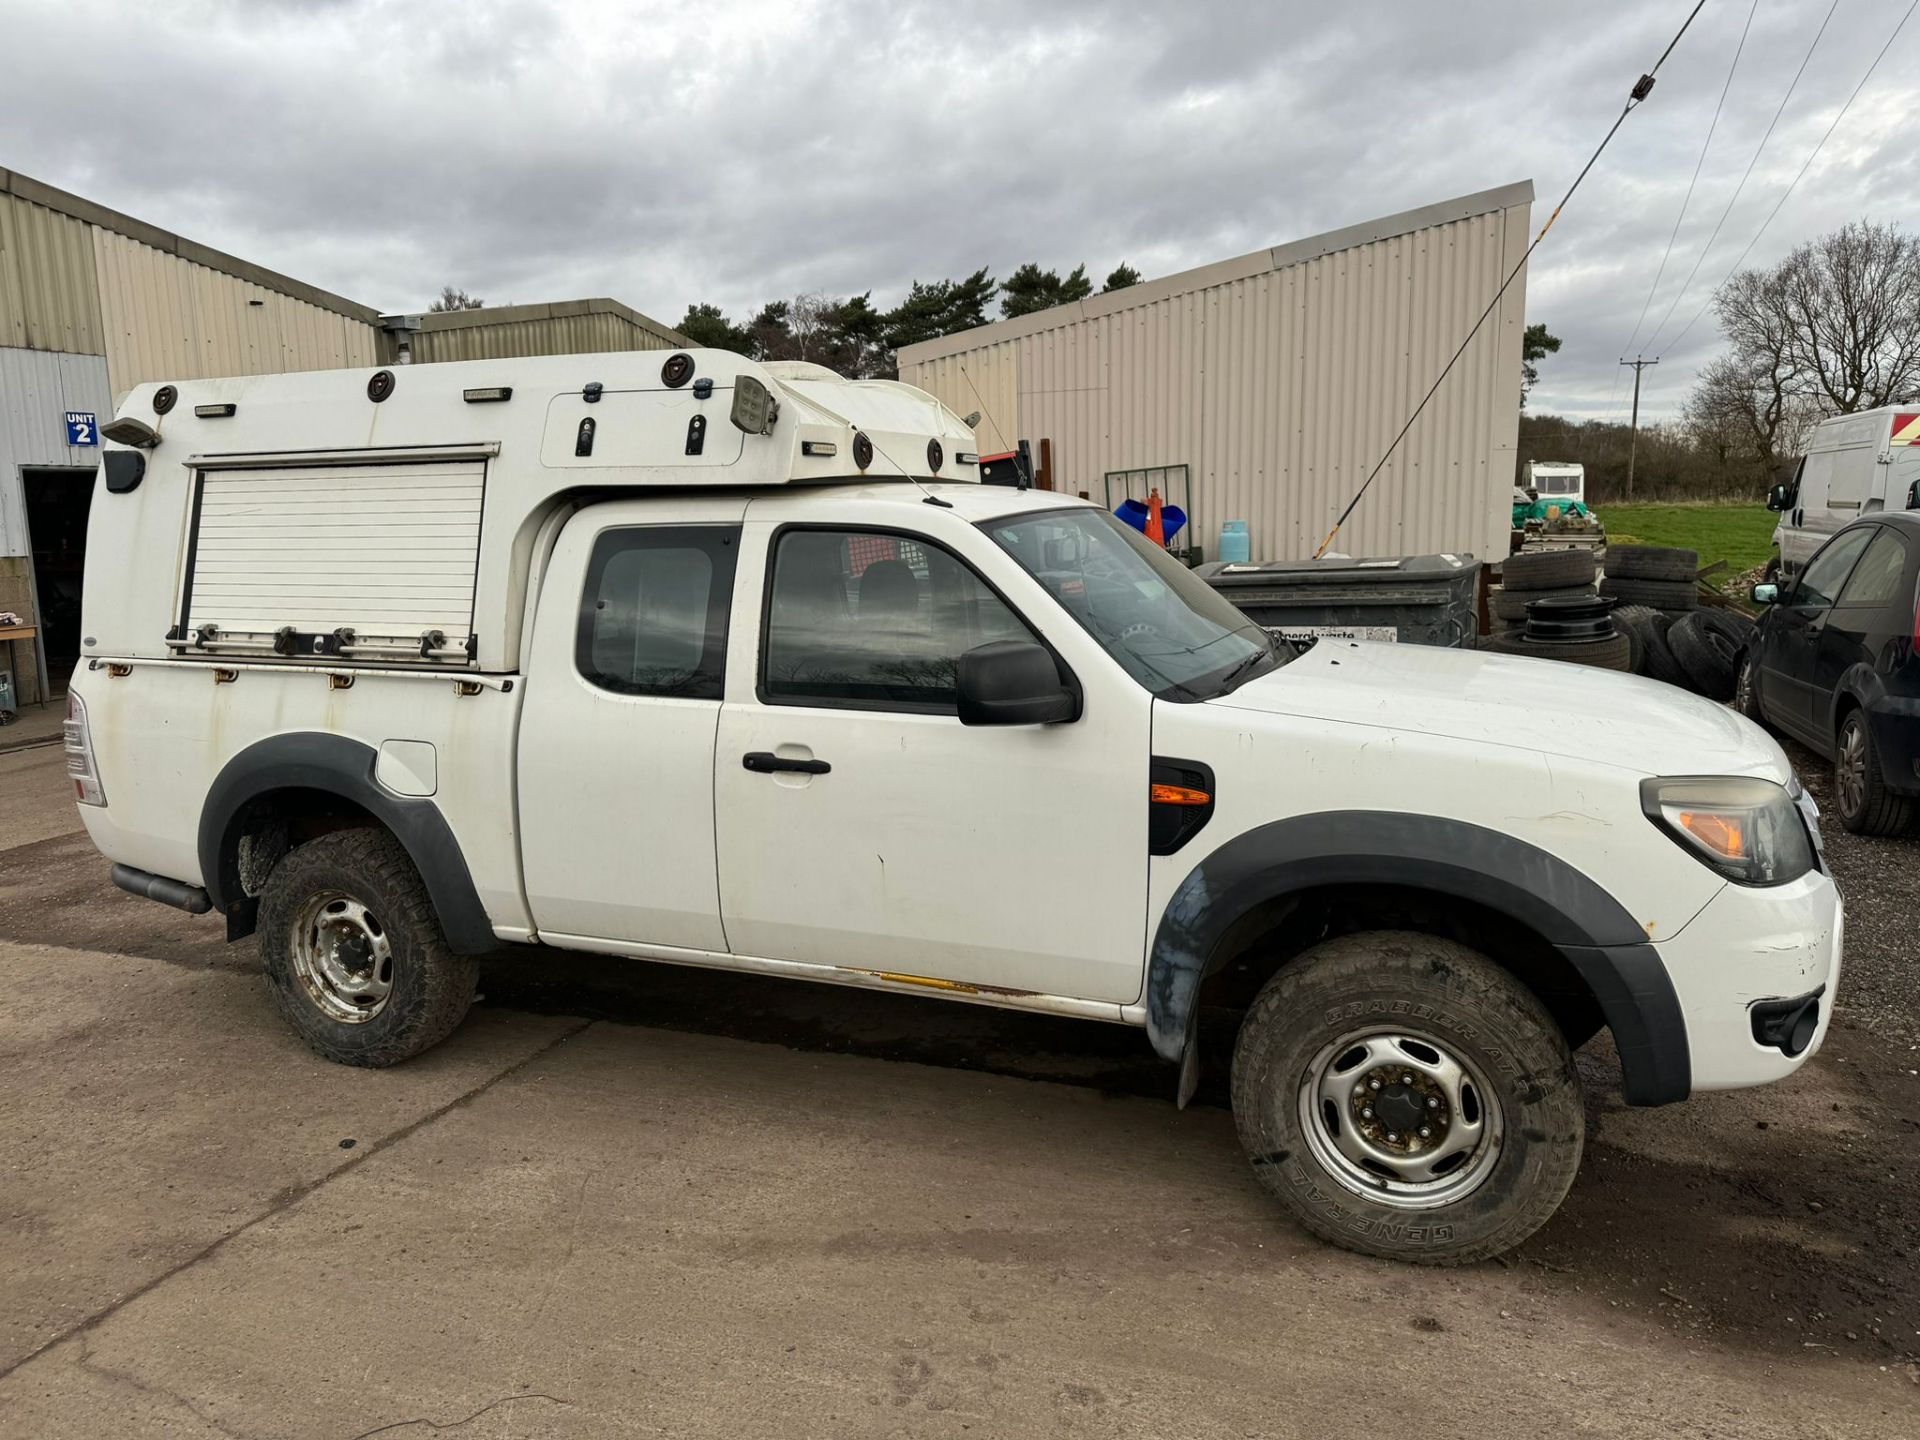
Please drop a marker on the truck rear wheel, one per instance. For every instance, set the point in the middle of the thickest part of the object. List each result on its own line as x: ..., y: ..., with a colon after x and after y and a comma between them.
x: 354, y: 954
x: 1405, y: 1097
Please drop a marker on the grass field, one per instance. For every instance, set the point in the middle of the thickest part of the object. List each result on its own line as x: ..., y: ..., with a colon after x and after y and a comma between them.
x: 1741, y: 535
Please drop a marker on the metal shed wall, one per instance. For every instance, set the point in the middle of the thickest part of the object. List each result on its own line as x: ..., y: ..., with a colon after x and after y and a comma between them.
x: 49, y: 297
x: 169, y: 318
x: 1280, y: 377
x: 572, y: 327
x: 78, y: 278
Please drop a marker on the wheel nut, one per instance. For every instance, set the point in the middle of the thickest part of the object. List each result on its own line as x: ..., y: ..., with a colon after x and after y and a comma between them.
x: 1406, y: 1079
x: 1392, y: 1138
x: 1366, y: 1112
x: 1426, y: 1133
x: 1433, y: 1102
x: 1373, y: 1084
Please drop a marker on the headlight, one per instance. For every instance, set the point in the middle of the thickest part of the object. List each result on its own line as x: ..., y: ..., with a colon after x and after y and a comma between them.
x: 1748, y: 830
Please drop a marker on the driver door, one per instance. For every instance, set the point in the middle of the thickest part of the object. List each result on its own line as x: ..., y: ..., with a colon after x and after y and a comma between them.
x: 1790, y: 641
x: 862, y: 827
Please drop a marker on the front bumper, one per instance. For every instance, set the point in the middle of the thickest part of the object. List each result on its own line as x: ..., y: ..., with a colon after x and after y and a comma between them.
x: 1750, y: 947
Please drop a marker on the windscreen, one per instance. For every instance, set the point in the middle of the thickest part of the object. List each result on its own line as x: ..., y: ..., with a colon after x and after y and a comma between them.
x: 1167, y: 627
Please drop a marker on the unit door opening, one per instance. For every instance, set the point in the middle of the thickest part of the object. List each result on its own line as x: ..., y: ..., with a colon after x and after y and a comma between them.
x: 57, y: 500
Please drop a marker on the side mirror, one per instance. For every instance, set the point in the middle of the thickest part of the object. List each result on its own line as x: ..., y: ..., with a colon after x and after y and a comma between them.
x: 1766, y: 594
x: 1777, y: 498
x: 1012, y: 682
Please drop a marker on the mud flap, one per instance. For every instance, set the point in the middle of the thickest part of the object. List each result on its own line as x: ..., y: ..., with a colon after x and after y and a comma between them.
x: 1189, y: 1068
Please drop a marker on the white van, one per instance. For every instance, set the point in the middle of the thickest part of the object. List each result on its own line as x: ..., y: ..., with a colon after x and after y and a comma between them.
x: 1854, y: 465
x: 741, y: 666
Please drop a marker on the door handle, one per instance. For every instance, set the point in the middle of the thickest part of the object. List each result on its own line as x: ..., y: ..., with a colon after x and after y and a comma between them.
x: 765, y: 762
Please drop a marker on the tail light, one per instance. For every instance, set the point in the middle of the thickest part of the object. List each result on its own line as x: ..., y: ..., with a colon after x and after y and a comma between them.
x: 87, y: 789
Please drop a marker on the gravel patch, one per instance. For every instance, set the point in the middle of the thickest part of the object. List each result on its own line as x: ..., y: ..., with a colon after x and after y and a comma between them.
x: 1880, y: 879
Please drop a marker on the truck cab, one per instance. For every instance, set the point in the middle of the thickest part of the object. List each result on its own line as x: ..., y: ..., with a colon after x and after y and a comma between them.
x: 705, y: 662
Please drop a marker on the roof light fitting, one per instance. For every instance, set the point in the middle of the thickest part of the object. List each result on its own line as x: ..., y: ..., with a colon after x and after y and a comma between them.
x: 128, y: 431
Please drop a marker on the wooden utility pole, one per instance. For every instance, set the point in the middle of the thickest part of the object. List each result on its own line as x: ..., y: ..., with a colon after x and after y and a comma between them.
x: 1633, y: 439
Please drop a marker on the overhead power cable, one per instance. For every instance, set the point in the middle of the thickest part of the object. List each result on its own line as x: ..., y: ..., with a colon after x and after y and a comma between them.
x: 1707, y: 249
x: 1687, y: 200
x: 1641, y: 89
x: 1735, y: 268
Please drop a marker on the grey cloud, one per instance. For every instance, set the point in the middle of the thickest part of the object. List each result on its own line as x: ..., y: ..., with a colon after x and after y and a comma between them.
x: 666, y: 153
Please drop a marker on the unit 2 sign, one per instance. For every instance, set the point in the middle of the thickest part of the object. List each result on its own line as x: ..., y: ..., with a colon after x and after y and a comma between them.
x: 81, y: 428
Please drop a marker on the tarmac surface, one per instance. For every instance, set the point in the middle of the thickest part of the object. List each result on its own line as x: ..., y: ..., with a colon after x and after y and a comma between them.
x: 631, y: 1199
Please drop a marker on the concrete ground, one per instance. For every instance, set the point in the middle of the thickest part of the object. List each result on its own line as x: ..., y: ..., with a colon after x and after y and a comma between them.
x: 628, y: 1199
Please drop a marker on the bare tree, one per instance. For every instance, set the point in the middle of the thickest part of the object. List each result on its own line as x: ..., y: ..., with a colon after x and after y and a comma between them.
x: 809, y: 318
x: 1743, y: 410
x: 1837, y: 321
x: 452, y: 297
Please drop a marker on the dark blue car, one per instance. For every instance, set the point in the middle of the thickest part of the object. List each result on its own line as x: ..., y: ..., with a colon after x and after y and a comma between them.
x: 1835, y: 663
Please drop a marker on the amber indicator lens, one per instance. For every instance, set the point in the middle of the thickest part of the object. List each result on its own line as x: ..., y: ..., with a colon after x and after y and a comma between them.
x: 1178, y: 795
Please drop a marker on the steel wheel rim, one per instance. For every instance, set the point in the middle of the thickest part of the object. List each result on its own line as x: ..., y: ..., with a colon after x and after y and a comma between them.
x: 1850, y: 772
x: 1364, y: 1100
x: 1743, y: 687
x: 342, y: 957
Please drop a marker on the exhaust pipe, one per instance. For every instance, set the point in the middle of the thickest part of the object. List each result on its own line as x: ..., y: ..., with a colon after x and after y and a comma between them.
x: 177, y: 893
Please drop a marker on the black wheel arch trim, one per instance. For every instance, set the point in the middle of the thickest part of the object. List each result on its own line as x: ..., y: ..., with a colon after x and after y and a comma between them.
x: 337, y: 765
x: 1596, y: 934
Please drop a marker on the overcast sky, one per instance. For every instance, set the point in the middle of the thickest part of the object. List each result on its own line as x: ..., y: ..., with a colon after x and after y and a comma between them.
x: 736, y: 152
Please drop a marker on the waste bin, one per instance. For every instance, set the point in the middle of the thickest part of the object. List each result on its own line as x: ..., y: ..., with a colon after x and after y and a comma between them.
x: 1409, y: 599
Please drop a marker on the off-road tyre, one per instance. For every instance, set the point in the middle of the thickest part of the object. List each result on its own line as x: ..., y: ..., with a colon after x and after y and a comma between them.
x: 1657, y: 594
x: 1511, y: 605
x: 432, y: 987
x: 1652, y: 562
x: 1708, y: 644
x: 1399, y: 981
x: 1613, y: 653
x: 1866, y: 806
x: 1550, y: 570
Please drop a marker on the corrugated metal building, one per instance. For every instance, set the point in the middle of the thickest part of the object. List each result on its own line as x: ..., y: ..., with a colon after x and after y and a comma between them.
x: 93, y: 302
x: 1279, y: 378
x: 565, y: 327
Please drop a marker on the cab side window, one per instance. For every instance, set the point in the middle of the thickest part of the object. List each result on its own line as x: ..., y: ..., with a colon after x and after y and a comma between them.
x: 1820, y: 582
x: 653, y: 615
x: 874, y: 621
x: 1876, y: 579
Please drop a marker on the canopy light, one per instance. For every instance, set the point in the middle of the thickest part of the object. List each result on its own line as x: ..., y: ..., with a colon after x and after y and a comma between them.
x: 215, y: 412
x: 484, y: 394
x: 754, y: 408
x: 824, y: 449
x: 128, y: 431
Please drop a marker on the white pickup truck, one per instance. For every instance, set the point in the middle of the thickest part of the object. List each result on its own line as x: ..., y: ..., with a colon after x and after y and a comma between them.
x: 700, y: 661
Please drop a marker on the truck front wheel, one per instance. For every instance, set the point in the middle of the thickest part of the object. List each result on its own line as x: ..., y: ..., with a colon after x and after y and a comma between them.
x: 1405, y: 1097
x: 355, y: 958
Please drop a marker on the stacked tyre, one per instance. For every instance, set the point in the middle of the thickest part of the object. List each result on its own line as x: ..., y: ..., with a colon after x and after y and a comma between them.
x: 1675, y: 640
x: 1654, y: 576
x: 1538, y: 575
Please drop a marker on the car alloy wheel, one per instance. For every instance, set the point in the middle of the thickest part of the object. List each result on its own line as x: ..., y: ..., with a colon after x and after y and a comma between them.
x: 1850, y: 767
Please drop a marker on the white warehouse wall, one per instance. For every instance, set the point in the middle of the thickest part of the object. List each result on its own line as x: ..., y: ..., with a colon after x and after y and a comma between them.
x: 1280, y: 377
